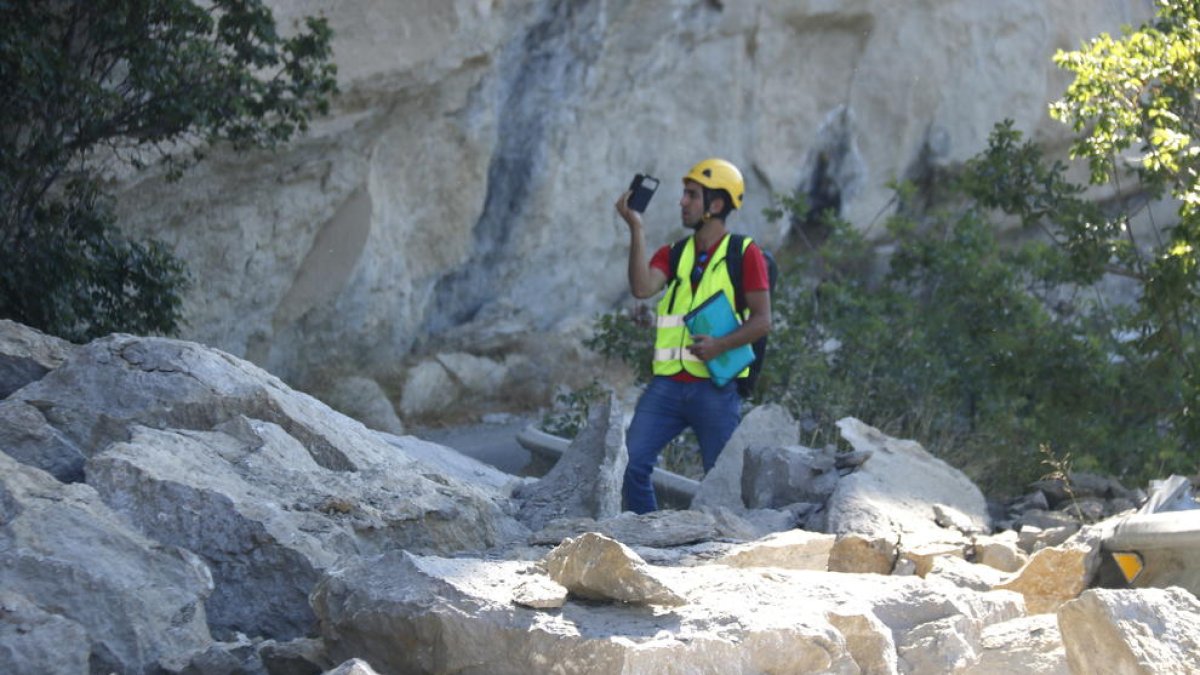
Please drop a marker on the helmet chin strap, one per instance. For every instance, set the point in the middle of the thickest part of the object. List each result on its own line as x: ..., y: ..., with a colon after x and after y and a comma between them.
x: 707, y: 214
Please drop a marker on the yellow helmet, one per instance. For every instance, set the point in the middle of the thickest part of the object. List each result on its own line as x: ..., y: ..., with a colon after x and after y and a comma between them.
x: 718, y: 174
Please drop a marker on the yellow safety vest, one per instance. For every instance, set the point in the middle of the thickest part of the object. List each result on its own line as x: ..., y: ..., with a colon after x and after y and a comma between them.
x: 671, y: 336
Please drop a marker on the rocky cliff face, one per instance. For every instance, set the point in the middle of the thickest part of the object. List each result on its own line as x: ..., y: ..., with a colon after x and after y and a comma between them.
x: 458, y: 200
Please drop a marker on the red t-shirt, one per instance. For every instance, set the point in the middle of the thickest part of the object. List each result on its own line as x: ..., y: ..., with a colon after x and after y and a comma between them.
x: 754, y: 278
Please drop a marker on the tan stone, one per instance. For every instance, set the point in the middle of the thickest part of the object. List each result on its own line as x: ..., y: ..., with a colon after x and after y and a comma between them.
x: 596, y: 567
x: 855, y: 554
x: 1052, y: 577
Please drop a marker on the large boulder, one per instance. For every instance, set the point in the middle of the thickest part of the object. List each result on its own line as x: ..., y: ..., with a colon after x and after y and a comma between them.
x: 1057, y: 574
x: 1147, y: 630
x: 894, y: 493
x: 208, y: 452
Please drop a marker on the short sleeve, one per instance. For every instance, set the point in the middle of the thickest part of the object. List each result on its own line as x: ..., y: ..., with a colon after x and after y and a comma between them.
x: 754, y: 270
x: 661, y: 261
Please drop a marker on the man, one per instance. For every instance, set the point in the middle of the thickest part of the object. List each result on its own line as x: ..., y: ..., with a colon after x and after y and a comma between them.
x: 681, y: 395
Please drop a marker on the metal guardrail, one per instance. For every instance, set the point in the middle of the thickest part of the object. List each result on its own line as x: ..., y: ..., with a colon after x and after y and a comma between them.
x: 1156, y: 550
x: 1159, y: 545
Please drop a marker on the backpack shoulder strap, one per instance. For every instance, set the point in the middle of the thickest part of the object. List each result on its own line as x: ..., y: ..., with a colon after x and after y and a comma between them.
x: 733, y: 264
x: 676, y: 254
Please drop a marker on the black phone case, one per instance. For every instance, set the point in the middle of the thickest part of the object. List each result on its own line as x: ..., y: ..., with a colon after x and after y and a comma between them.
x: 643, y: 188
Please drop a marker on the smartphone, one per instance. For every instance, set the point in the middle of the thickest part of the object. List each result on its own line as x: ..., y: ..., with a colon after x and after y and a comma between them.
x: 642, y: 187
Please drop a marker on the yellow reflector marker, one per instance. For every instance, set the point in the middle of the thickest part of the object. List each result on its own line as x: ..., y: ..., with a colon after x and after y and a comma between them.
x: 1130, y: 564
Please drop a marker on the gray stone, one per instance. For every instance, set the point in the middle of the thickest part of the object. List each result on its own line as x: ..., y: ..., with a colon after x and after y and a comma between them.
x: 353, y: 667
x: 658, y: 529
x: 1000, y: 552
x: 363, y: 399
x: 764, y: 426
x: 586, y: 481
x: 942, y: 646
x: 1033, y: 538
x: 959, y: 572
x: 81, y: 568
x: 26, y: 355
x: 892, y: 495
x: 302, y: 656
x: 251, y: 487
x: 776, y: 476
x: 539, y: 591
x: 165, y: 384
x: 34, y: 641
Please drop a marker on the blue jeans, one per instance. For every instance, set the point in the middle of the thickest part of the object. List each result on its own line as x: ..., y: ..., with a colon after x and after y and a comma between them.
x: 664, y: 410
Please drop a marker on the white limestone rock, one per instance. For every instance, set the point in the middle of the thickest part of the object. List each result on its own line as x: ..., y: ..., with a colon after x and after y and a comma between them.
x: 794, y: 549
x: 1145, y: 630
x: 1028, y: 644
x: 456, y: 615
x: 1000, y: 551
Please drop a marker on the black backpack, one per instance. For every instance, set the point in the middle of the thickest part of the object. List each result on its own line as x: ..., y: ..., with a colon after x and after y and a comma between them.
x: 733, y: 265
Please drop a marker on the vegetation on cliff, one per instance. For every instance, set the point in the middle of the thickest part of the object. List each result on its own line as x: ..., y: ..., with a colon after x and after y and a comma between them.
x: 92, y: 84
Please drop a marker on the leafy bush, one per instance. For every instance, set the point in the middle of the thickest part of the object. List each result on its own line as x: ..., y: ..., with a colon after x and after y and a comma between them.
x: 982, y: 350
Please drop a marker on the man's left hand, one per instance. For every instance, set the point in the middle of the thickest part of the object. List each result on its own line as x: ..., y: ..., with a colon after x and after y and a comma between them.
x: 705, y: 347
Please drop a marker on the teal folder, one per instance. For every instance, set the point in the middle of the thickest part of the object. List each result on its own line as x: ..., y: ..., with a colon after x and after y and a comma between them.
x: 715, y: 317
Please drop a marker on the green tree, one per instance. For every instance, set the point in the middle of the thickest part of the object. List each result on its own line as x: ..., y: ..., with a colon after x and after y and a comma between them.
x: 89, y: 83
x: 1135, y: 103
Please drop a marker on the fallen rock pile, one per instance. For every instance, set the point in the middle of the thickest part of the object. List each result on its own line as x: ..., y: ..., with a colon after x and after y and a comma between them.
x: 166, y: 507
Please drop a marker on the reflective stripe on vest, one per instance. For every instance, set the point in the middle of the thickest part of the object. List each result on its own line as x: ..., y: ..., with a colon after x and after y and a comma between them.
x: 671, y: 338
